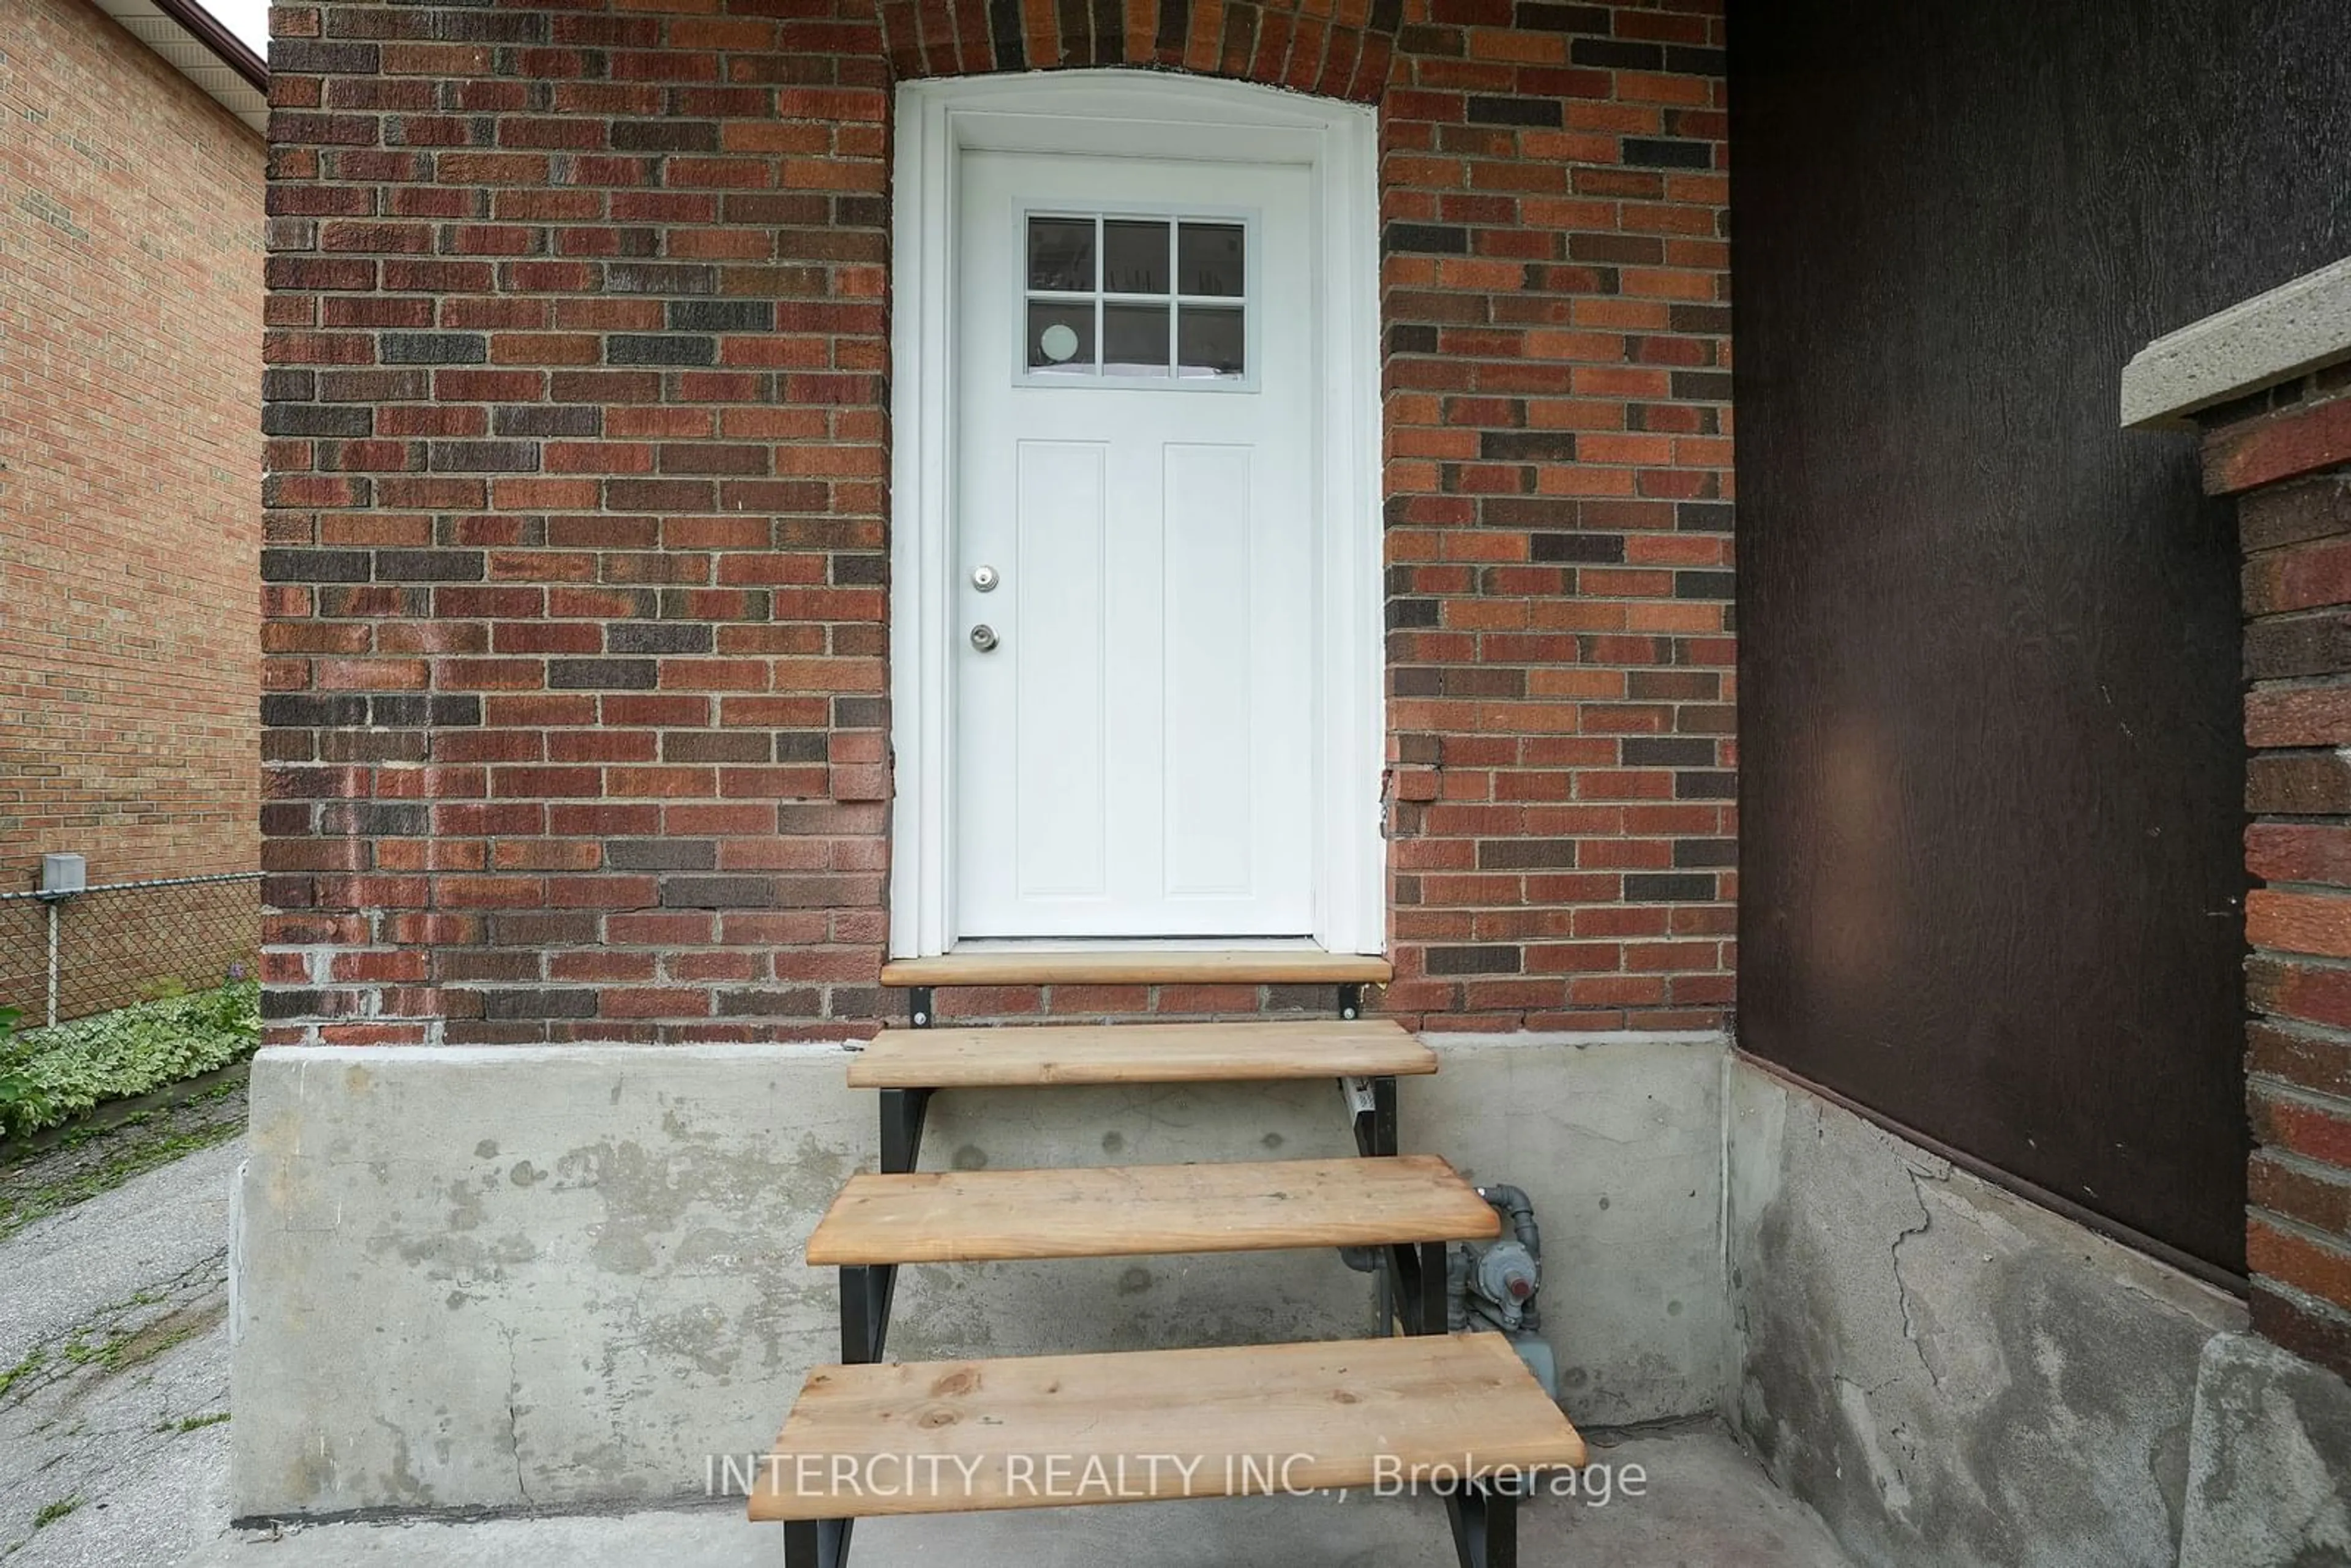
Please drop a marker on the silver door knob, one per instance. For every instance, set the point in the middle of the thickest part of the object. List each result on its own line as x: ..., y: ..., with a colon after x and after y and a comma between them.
x: 983, y: 637
x: 983, y: 579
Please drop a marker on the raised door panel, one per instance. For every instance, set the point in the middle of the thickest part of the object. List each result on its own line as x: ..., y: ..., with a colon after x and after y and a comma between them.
x: 1061, y: 657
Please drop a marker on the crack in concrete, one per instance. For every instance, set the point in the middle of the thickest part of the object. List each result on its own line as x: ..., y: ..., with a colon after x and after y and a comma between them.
x: 514, y: 1414
x: 1869, y: 1390
x: 1902, y: 1291
x: 91, y: 1346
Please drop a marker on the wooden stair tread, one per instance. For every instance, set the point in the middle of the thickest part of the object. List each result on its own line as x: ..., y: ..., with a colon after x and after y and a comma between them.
x: 1353, y: 1412
x: 1119, y: 1211
x: 1140, y: 967
x: 1031, y: 1055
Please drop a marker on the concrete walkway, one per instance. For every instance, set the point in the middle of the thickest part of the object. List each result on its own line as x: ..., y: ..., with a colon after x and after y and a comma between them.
x: 1705, y: 1506
x: 114, y: 1349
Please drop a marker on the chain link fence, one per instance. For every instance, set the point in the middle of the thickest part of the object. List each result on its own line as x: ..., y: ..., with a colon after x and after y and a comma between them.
x: 71, y: 955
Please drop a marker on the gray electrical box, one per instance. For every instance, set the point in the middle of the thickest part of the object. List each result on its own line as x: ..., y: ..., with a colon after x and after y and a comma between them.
x: 64, y: 874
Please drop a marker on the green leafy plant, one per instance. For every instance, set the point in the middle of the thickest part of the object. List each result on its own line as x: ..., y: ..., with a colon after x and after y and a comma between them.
x: 50, y: 1075
x: 18, y: 1094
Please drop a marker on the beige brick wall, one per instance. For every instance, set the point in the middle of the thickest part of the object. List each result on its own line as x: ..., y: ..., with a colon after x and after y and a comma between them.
x: 130, y: 290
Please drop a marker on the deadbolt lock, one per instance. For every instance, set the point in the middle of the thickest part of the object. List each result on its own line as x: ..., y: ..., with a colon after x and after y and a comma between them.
x: 983, y: 579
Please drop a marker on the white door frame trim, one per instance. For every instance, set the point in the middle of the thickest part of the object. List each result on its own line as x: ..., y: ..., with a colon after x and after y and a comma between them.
x: 1136, y: 114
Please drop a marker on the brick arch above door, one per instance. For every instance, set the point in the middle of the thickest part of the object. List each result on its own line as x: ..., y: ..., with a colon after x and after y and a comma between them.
x: 1277, y: 43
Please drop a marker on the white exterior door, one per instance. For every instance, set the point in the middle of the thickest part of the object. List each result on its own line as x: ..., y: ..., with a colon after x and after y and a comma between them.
x: 1133, y: 487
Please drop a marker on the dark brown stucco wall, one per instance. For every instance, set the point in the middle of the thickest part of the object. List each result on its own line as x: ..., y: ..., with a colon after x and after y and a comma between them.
x: 1993, y: 888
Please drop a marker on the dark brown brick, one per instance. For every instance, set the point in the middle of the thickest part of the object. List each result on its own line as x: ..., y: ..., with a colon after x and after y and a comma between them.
x: 2313, y: 1330
x: 2290, y: 514
x: 2301, y: 783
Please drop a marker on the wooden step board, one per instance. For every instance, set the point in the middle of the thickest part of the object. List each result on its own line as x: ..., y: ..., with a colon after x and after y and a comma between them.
x: 969, y: 1217
x: 1140, y: 967
x: 1031, y: 1055
x: 1056, y: 1431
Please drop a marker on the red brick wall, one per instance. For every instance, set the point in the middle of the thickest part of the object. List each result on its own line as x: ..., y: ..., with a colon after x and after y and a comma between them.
x: 130, y: 223
x: 577, y: 577
x: 2291, y: 465
x: 1557, y: 317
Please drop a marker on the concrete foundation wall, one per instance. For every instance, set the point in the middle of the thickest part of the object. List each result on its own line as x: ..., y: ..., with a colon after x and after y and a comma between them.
x: 566, y: 1276
x: 1950, y: 1375
x: 2268, y: 1461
